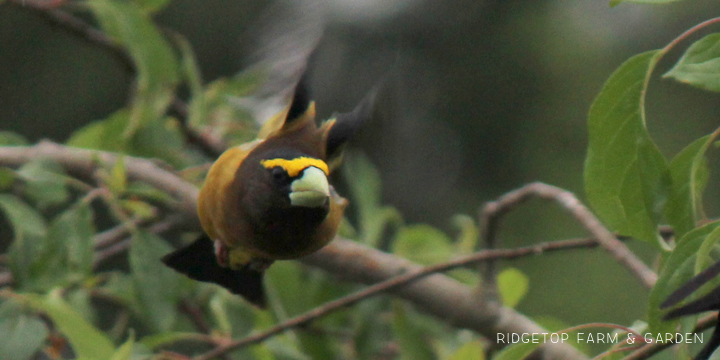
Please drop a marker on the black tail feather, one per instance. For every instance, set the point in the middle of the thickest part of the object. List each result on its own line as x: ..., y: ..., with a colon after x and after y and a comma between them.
x: 198, y: 262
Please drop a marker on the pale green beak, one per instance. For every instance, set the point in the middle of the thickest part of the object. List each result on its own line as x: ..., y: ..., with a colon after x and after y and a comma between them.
x: 311, y: 189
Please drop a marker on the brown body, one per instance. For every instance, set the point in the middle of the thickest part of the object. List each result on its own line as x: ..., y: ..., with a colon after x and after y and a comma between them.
x: 269, y: 199
x: 226, y: 206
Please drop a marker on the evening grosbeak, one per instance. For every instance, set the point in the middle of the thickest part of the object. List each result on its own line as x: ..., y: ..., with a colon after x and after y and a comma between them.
x: 270, y: 199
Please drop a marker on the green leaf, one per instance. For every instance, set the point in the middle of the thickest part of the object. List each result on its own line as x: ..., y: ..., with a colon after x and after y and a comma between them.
x: 189, y: 66
x: 627, y: 179
x: 80, y: 299
x: 24, y: 219
x: 28, y: 242
x: 7, y: 178
x: 700, y: 65
x: 703, y: 258
x: 284, y: 279
x: 689, y: 173
x: 63, y: 256
x: 145, y: 191
x: 9, y: 138
x: 364, y: 182
x: 75, y: 229
x: 21, y: 335
x: 139, y: 208
x: 472, y: 350
x: 469, y: 233
x: 371, y: 331
x: 216, y: 110
x: 87, y: 342
x: 153, y: 58
x: 104, y: 134
x: 290, y: 286
x: 231, y: 314
x: 45, y: 182
x: 516, y: 351
x: 413, y: 344
x: 160, y: 139
x: 677, y: 269
x: 158, y: 287
x: 512, y: 285
x: 423, y: 244
x: 125, y: 351
x: 121, y: 288
x: 117, y: 181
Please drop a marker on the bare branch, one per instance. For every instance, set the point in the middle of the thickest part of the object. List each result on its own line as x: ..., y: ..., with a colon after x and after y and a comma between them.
x: 493, y: 212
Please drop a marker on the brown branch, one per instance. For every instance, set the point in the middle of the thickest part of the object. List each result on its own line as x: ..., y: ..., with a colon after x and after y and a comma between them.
x: 83, y: 163
x: 415, y: 273
x: 437, y: 294
x: 646, y: 351
x: 493, y: 211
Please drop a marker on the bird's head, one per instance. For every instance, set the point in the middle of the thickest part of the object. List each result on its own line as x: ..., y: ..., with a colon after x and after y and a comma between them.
x: 297, y: 180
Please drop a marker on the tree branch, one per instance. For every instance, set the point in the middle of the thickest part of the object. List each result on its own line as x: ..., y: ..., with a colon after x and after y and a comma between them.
x: 410, y: 273
x: 436, y: 294
x: 493, y: 212
x: 83, y: 163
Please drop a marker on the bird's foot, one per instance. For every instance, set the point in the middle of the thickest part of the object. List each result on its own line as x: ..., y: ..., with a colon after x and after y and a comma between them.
x: 222, y: 254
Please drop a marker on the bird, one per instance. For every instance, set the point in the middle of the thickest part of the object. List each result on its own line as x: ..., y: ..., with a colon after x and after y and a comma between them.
x: 270, y: 199
x: 708, y: 302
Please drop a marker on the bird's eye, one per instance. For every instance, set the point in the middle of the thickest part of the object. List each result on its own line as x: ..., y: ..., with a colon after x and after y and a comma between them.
x: 278, y: 174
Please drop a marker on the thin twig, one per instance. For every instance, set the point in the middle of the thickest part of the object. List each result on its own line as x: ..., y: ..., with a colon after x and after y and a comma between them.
x: 114, y: 235
x: 78, y: 28
x: 493, y: 212
x: 397, y: 282
x: 121, y: 246
x: 195, y: 315
x: 198, y: 319
x: 82, y: 30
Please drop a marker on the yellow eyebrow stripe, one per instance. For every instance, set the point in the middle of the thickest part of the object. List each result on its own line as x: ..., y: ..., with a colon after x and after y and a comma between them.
x: 295, y: 166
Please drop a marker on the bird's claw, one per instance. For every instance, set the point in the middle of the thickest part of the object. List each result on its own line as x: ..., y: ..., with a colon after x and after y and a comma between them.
x: 222, y: 254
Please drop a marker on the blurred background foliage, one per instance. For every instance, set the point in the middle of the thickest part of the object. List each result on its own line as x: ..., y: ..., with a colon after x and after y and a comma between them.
x: 489, y: 95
